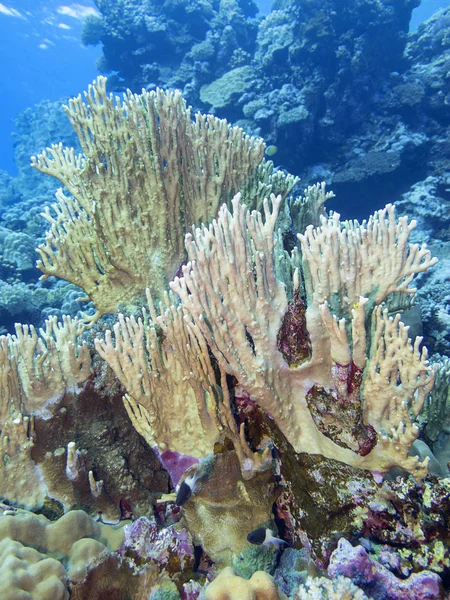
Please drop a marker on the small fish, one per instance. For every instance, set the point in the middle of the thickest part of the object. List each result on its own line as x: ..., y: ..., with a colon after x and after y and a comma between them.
x: 271, y: 150
x: 186, y: 489
x: 264, y: 537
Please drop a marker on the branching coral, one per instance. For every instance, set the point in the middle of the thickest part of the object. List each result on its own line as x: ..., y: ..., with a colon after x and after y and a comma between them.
x: 40, y: 368
x: 250, y: 342
x: 147, y: 174
x: 438, y: 402
x: 367, y: 384
x: 171, y: 394
x: 231, y: 293
x: 308, y: 209
x: 174, y: 399
x: 398, y: 375
x: 51, y: 363
x: 20, y: 480
x: 348, y: 260
x: 35, y: 370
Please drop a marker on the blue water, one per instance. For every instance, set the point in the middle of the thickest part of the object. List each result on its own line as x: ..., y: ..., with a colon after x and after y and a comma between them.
x: 43, y: 58
x: 426, y: 10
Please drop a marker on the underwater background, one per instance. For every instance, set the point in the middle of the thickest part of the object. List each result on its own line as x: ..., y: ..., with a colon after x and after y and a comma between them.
x: 225, y: 329
x: 44, y: 58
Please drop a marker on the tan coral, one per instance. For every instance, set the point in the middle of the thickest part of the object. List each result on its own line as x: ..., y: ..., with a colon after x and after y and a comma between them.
x: 27, y: 573
x: 50, y: 363
x: 148, y: 173
x: 73, y: 540
x: 241, y: 314
x: 398, y: 373
x: 36, y: 369
x: 308, y: 209
x: 171, y: 406
x: 20, y: 479
x: 174, y: 400
x: 225, y: 508
x: 371, y: 259
x: 232, y: 299
x: 228, y: 586
x: 10, y: 389
x: 438, y: 401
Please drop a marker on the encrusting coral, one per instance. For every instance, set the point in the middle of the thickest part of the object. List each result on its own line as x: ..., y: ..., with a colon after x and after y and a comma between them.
x: 321, y: 588
x: 34, y: 552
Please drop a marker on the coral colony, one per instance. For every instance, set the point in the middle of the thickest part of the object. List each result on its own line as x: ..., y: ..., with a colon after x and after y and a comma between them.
x: 233, y: 419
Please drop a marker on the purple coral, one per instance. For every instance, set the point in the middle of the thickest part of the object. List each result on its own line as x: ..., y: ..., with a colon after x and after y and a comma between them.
x: 175, y: 463
x: 293, y: 339
x: 144, y: 539
x: 190, y: 590
x: 337, y: 413
x: 377, y: 581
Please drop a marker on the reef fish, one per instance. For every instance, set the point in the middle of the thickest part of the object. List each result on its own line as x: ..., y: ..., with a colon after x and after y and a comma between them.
x: 264, y: 537
x: 186, y: 489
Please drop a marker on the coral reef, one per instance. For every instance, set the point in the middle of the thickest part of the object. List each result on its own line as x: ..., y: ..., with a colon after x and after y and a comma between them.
x: 326, y: 589
x: 185, y: 169
x: 333, y: 104
x: 23, y: 198
x: 377, y: 581
x: 144, y: 47
x: 269, y: 384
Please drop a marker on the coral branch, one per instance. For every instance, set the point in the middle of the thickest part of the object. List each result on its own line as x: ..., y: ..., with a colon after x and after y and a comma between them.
x: 147, y: 174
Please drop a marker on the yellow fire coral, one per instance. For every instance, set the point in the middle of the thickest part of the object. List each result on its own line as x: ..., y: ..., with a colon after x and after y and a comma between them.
x: 173, y: 399
x: 241, y: 314
x: 35, y: 370
x: 232, y: 299
x: 147, y: 174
